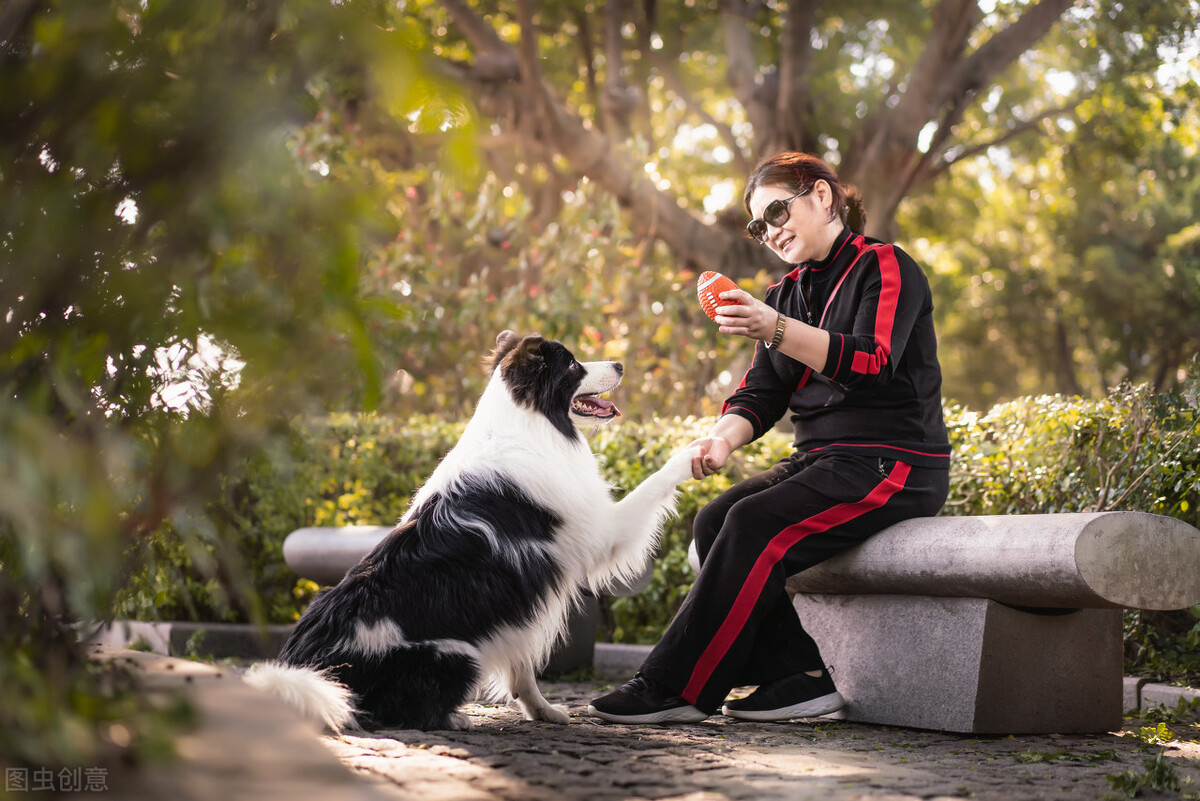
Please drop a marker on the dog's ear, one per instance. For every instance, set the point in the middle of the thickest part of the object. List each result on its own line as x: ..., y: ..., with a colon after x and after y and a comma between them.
x: 529, y: 352
x: 505, y: 341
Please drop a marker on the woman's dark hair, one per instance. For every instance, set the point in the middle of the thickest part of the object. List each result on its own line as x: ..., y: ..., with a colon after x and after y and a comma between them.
x: 799, y: 171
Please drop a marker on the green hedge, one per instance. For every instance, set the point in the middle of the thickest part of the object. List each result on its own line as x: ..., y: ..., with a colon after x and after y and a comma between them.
x: 1130, y: 450
x: 337, y: 471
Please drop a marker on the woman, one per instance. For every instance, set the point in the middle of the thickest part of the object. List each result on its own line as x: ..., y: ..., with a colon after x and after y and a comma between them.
x: 845, y: 344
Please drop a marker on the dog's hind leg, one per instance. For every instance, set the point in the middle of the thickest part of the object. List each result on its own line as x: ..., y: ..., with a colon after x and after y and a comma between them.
x: 419, y: 687
x: 524, y: 689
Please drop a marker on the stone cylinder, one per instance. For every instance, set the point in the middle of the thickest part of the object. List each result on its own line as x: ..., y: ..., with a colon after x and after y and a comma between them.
x: 325, y: 554
x: 1075, y: 560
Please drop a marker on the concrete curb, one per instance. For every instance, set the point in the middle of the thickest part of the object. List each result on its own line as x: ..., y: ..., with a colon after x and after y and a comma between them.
x: 610, y: 661
x: 216, y: 640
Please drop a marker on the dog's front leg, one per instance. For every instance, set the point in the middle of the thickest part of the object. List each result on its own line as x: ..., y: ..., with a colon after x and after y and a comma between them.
x: 656, y: 494
x: 525, y: 691
x: 639, y: 516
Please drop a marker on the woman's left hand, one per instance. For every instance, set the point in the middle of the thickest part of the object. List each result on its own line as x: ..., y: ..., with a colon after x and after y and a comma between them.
x: 745, y: 315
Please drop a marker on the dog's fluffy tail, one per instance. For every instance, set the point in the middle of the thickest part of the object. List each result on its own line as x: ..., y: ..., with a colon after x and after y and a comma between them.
x: 312, y: 693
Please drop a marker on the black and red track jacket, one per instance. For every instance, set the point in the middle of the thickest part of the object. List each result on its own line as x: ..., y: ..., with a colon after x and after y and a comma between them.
x: 880, y: 391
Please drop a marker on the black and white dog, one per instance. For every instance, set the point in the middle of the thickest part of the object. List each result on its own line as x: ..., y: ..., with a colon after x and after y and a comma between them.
x: 466, y: 597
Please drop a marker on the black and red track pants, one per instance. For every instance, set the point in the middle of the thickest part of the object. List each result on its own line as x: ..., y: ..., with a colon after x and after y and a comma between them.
x: 737, y: 626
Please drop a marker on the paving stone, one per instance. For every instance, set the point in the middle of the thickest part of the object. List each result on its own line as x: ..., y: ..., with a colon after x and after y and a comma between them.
x: 249, y: 747
x: 505, y: 757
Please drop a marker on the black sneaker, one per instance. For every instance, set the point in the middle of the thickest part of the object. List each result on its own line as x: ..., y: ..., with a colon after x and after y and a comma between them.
x: 641, y: 701
x: 798, y: 696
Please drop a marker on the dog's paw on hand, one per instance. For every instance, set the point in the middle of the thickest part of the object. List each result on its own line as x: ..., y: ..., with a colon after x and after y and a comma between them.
x: 680, y: 465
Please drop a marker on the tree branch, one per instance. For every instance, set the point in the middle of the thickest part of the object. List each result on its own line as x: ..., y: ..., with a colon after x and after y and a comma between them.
x: 589, y: 152
x: 618, y: 100
x: 1005, y: 47
x: 952, y: 24
x: 527, y: 51
x: 479, y: 33
x: 588, y: 54
x: 945, y: 161
x: 739, y: 50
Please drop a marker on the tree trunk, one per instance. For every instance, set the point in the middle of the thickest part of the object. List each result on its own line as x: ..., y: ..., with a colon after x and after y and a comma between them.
x: 883, y: 159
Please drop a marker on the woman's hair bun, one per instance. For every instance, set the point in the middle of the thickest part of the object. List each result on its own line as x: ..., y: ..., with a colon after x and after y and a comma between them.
x: 856, y: 212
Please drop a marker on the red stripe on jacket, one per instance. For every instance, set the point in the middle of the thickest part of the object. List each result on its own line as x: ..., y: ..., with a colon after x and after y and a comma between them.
x: 778, y: 546
x: 885, y: 314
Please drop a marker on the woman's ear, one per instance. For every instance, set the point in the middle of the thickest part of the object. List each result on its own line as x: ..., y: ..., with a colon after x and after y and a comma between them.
x: 823, y: 193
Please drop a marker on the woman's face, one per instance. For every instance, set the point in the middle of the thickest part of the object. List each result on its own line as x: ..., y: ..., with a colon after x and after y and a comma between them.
x: 808, y: 233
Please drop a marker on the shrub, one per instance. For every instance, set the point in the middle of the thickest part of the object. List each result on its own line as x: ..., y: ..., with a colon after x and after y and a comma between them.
x: 348, y: 469
x: 335, y: 471
x: 1131, y: 450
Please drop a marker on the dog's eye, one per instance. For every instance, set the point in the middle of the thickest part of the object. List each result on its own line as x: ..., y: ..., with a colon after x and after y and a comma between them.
x: 576, y: 367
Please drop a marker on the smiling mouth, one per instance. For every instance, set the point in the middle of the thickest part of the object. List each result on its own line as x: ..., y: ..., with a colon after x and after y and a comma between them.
x: 594, y: 406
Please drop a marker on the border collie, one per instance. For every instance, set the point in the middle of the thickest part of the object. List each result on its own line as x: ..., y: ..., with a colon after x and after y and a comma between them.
x: 466, y: 597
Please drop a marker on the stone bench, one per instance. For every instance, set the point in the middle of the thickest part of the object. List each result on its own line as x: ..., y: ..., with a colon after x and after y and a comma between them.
x: 324, y: 554
x: 996, y: 625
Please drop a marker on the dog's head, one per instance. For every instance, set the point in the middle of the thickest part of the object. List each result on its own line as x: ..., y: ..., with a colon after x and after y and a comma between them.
x: 543, y: 376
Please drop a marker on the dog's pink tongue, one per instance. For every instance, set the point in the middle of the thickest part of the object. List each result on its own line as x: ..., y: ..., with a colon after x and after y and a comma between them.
x: 607, y: 406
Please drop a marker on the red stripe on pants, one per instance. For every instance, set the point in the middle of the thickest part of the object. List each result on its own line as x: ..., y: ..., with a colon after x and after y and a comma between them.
x: 779, y: 545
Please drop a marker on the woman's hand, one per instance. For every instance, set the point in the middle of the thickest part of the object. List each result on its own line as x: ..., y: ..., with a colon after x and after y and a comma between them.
x: 756, y: 320
x: 714, y: 452
x: 745, y: 315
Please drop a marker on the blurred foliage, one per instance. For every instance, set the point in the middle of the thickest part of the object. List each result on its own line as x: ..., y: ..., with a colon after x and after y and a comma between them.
x: 583, y: 280
x: 342, y: 470
x: 174, y: 284
x: 353, y: 469
x: 1053, y: 226
x: 1069, y: 263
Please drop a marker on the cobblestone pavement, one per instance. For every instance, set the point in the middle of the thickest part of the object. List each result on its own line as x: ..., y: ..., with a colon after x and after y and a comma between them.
x: 505, y: 757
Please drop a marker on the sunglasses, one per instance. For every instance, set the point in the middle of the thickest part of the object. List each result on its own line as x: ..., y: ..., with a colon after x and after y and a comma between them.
x: 776, y: 213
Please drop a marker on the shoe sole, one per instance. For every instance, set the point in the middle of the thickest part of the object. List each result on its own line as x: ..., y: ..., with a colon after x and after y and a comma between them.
x: 813, y: 708
x: 680, y: 714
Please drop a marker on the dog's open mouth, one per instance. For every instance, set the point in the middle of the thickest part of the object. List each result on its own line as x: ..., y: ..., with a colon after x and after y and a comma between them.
x: 594, y: 406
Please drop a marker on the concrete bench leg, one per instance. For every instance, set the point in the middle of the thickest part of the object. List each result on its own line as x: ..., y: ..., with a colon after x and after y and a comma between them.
x: 577, y: 648
x: 970, y: 664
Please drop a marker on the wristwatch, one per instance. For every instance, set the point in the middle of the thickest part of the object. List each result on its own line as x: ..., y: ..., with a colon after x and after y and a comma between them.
x: 780, y: 325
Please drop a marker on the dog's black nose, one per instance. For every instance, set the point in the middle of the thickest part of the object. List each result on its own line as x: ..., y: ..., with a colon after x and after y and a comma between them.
x: 620, y: 368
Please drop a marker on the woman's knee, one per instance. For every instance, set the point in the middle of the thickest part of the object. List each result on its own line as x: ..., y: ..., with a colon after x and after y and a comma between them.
x: 706, y: 527
x: 714, y: 517
x: 738, y: 525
